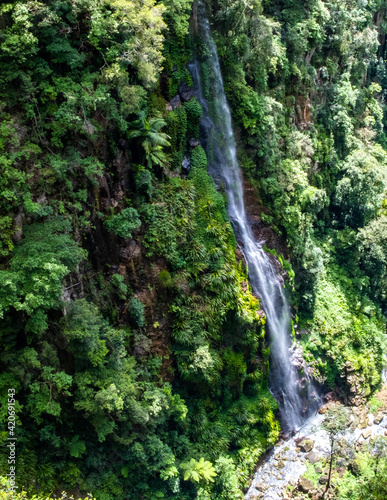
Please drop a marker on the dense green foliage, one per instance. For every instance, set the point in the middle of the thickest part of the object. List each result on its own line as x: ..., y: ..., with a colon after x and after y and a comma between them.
x: 140, y: 375
x: 309, y: 101
x: 127, y: 326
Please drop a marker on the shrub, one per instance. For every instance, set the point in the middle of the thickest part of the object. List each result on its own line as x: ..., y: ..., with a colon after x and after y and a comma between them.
x: 124, y: 223
x: 137, y: 312
x: 194, y: 114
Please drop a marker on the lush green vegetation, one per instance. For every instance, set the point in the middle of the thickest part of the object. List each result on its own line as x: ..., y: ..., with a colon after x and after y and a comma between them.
x: 140, y: 375
x: 127, y: 325
x: 309, y: 101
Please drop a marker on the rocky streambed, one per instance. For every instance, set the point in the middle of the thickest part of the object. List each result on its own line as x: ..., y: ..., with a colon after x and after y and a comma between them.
x: 298, y: 467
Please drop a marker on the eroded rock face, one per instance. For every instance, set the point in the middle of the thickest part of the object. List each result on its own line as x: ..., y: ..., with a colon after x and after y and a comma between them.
x: 255, y: 212
x: 263, y: 233
x: 303, y: 113
x: 131, y: 252
x: 186, y: 92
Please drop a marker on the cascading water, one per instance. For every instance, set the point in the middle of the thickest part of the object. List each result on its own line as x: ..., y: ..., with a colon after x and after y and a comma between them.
x: 218, y: 141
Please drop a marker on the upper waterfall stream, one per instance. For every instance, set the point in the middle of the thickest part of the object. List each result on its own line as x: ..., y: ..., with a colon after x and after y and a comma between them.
x: 218, y: 141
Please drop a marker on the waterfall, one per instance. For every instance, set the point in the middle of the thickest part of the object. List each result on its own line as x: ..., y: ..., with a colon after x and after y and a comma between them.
x: 218, y: 140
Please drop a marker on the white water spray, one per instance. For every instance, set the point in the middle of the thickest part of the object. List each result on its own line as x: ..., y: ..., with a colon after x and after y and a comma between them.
x: 218, y: 141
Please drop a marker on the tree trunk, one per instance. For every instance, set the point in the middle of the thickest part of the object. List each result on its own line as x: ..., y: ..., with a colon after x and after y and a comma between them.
x: 330, y: 468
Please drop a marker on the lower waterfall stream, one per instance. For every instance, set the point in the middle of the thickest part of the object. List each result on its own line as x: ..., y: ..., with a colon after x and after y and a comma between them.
x: 218, y: 141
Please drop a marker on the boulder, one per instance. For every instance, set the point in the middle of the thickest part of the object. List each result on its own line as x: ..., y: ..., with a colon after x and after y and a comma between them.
x: 305, y: 485
x: 306, y: 445
x: 366, y: 433
x: 260, y: 486
x: 378, y: 418
x: 186, y: 164
x: 313, y: 457
x: 323, y: 479
x: 193, y: 143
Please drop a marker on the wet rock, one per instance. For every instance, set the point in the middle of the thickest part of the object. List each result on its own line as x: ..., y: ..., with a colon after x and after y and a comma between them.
x: 366, y: 433
x: 313, y: 457
x: 355, y: 423
x: 297, y: 358
x: 306, y: 445
x: 175, y: 102
x: 260, y: 486
x: 186, y: 164
x: 186, y: 92
x: 305, y: 485
x: 193, y: 142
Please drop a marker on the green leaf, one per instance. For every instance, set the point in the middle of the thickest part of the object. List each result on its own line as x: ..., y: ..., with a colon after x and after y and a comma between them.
x: 77, y: 447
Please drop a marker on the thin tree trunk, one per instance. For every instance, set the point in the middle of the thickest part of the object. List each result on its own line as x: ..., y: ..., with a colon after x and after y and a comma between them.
x: 330, y: 469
